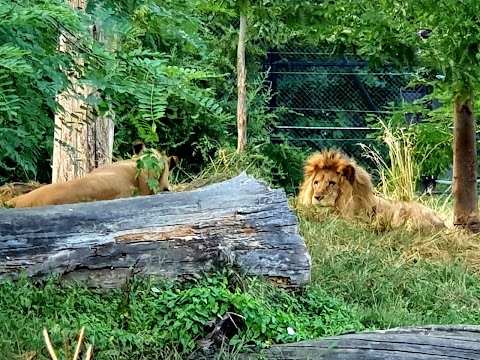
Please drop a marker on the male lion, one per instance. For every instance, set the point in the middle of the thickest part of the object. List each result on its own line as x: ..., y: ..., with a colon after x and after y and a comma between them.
x: 335, y: 181
x: 113, y: 181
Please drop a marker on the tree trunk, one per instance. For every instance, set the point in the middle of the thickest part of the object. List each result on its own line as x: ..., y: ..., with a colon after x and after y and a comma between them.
x: 101, y: 129
x: 82, y: 142
x: 238, y: 222
x: 241, y: 84
x: 100, y: 141
x: 465, y: 164
x: 70, y: 138
x: 416, y: 343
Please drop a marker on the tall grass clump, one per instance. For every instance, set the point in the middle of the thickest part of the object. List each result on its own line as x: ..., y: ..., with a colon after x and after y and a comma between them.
x: 398, y: 177
x: 279, y: 165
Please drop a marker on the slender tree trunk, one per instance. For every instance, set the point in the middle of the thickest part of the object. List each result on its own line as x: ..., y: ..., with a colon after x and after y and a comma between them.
x: 100, y: 131
x: 465, y: 164
x: 241, y: 84
x: 81, y: 141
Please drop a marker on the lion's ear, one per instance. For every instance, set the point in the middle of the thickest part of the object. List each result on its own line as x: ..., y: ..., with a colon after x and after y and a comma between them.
x: 348, y: 171
x: 175, y: 161
x: 138, y: 147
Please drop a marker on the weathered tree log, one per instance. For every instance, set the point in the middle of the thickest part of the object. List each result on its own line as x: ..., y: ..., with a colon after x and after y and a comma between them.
x: 240, y: 221
x: 419, y: 343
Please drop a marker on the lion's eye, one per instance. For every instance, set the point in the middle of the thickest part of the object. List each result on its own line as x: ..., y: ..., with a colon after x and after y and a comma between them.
x: 331, y: 183
x: 315, y: 182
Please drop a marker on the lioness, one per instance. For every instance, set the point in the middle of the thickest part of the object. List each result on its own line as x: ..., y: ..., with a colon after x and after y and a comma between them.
x: 113, y: 181
x: 335, y: 181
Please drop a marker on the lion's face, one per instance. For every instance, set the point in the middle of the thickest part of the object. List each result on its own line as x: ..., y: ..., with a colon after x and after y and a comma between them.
x: 326, y: 188
x: 330, y: 179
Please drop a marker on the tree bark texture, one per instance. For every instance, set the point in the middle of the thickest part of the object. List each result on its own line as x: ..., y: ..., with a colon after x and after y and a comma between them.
x: 419, y: 343
x: 82, y: 142
x: 242, y: 84
x: 101, y: 129
x: 465, y: 164
x: 236, y: 222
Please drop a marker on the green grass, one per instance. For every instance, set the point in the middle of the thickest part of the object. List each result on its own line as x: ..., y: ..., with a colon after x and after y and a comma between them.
x: 388, y: 279
x: 163, y: 321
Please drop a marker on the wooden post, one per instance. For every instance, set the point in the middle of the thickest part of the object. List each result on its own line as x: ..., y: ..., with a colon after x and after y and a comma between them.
x: 70, y: 138
x: 241, y: 83
x: 81, y: 141
x: 100, y: 131
x: 465, y: 164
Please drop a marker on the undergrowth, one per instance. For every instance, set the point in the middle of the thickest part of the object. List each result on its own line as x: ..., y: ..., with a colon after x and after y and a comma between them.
x: 157, y: 320
x: 279, y: 165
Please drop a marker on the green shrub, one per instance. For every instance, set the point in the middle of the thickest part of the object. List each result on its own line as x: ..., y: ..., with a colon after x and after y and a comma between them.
x: 29, y: 82
x: 149, y: 318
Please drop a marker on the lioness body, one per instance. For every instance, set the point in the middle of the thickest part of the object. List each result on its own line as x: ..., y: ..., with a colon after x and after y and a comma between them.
x: 117, y: 180
x: 334, y: 180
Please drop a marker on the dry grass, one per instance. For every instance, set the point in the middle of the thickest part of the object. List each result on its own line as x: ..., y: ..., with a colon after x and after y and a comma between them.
x: 9, y: 191
x: 450, y: 244
x: 225, y: 165
x: 397, y: 277
x: 217, y: 170
x: 78, y: 348
x: 442, y: 204
x: 399, y: 177
x: 397, y: 180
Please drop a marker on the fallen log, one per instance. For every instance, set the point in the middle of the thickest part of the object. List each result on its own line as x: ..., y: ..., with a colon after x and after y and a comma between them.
x: 239, y: 221
x: 419, y: 343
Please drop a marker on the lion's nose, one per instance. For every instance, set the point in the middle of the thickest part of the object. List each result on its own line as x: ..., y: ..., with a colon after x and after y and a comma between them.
x: 320, y: 197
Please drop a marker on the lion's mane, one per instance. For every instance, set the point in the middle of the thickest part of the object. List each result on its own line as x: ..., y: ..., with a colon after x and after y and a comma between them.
x: 357, y: 197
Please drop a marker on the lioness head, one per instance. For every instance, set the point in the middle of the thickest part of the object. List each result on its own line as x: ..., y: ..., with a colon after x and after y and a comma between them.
x: 153, y: 175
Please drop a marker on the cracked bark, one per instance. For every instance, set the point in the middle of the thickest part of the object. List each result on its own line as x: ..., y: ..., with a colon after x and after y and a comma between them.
x: 239, y: 221
x: 82, y: 139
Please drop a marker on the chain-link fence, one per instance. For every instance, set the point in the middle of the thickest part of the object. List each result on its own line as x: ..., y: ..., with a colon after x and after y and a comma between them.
x: 326, y: 100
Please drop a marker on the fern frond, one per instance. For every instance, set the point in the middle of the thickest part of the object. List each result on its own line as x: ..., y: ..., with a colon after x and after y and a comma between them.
x: 12, y: 59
